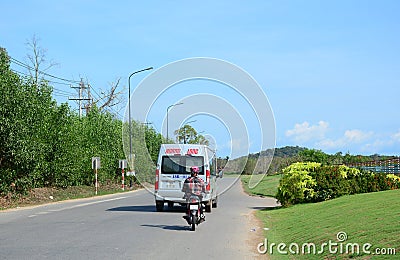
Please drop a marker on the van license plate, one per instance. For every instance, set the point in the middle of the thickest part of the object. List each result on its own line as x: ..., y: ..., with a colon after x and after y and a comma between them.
x: 192, y: 207
x: 171, y: 185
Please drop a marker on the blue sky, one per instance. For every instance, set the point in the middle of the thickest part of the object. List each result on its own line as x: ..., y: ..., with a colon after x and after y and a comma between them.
x: 330, y: 69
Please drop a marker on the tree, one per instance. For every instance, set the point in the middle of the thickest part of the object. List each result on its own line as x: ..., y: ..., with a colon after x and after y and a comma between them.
x: 250, y: 166
x: 200, y: 139
x: 153, y: 142
x: 313, y: 155
x: 37, y: 60
x: 112, y: 97
x: 25, y: 115
x: 186, y: 134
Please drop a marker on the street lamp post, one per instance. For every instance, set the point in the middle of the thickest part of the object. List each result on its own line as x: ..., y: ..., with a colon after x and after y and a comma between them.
x: 129, y: 112
x: 167, y: 114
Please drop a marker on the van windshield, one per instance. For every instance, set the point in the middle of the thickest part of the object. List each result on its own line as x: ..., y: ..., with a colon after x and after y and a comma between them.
x: 181, y: 164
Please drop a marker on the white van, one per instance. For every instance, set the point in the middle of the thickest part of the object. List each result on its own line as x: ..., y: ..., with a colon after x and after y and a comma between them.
x: 173, y: 167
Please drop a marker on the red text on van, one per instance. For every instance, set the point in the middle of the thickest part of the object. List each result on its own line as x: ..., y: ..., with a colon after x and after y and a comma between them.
x: 192, y: 151
x: 173, y: 151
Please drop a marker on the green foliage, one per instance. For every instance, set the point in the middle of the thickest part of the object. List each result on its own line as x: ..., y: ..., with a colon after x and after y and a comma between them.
x: 314, y: 182
x: 24, y: 114
x: 153, y: 142
x: 45, y: 144
x: 331, y: 182
x: 296, y: 185
x: 281, y: 158
x: 188, y: 135
x: 312, y: 155
x: 250, y: 166
x: 393, y: 181
x: 145, y: 148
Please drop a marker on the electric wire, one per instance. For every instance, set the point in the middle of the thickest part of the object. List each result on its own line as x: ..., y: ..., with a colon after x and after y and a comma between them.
x: 17, y: 62
x: 59, y: 92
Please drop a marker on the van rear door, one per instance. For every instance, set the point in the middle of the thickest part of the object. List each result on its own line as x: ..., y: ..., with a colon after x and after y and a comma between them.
x: 174, y: 170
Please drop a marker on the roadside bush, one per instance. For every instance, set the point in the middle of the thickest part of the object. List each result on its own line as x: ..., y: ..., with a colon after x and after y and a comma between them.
x: 296, y: 185
x: 393, y: 181
x: 311, y: 182
x: 331, y: 183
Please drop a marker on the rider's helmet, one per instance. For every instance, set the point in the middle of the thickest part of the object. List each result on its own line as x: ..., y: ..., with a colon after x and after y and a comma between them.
x: 194, y: 170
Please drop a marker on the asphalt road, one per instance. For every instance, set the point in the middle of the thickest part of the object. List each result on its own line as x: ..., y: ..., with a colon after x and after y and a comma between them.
x: 126, y: 226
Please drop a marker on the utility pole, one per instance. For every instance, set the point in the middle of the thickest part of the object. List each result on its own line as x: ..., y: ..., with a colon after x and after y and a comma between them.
x: 90, y: 100
x: 81, y: 88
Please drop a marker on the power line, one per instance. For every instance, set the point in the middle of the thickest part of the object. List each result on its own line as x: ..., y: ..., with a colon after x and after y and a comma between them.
x: 110, y: 107
x: 58, y: 83
x: 21, y: 73
x: 59, y: 91
x: 65, y: 92
x: 50, y: 81
x: 100, y: 98
x: 62, y: 93
x: 54, y: 89
x: 115, y: 111
x: 19, y: 63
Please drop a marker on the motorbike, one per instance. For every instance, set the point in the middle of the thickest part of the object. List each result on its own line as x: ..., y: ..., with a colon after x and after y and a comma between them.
x: 195, y: 213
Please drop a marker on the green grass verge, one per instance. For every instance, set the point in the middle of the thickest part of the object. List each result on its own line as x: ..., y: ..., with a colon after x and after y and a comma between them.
x: 268, y: 186
x: 366, y: 218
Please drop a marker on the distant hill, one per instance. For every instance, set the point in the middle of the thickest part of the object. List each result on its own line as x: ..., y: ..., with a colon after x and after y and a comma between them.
x: 283, y: 152
x: 281, y: 157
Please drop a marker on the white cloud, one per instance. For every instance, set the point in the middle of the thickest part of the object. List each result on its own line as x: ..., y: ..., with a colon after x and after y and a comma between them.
x: 305, y: 132
x: 331, y: 144
x: 376, y: 146
x: 356, y: 136
x: 396, y: 137
x: 354, y: 140
x: 350, y: 137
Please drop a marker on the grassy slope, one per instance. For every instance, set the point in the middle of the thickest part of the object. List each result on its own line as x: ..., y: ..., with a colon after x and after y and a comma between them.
x: 267, y: 187
x: 366, y: 218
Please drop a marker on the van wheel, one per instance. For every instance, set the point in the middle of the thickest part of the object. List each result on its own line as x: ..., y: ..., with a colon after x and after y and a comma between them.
x: 160, y: 205
x: 215, y: 203
x: 208, y: 207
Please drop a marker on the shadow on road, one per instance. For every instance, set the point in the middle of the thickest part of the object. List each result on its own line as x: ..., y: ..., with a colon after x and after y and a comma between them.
x: 166, y: 227
x: 140, y: 208
x: 148, y: 208
x: 265, y: 207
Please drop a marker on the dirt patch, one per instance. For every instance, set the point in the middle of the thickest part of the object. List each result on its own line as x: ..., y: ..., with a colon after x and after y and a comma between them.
x: 255, y: 235
x: 34, y: 197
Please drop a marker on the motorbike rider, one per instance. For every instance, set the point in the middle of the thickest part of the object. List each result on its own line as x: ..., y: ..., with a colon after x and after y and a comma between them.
x: 194, y: 185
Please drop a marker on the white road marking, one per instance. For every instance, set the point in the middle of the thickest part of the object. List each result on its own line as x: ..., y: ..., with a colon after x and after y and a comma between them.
x: 75, y: 206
